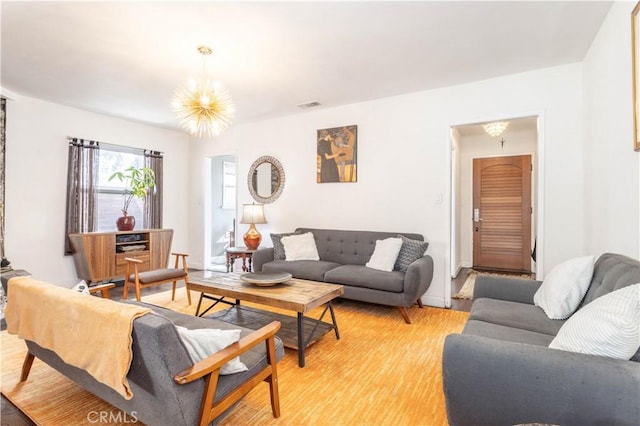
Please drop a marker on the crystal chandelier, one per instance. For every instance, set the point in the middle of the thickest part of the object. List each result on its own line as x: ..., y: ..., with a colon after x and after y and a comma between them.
x: 496, y: 128
x: 204, y: 107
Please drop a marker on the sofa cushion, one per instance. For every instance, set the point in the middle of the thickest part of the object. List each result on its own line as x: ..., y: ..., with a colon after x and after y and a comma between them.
x: 564, y: 287
x: 410, y: 251
x: 504, y: 333
x: 609, y: 326
x: 514, y: 314
x: 278, y: 248
x: 385, y: 254
x: 300, y: 247
x: 303, y: 269
x: 611, y: 272
x: 361, y: 276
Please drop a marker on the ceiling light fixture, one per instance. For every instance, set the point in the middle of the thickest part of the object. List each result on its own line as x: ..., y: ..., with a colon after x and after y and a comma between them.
x: 496, y: 128
x: 204, y: 107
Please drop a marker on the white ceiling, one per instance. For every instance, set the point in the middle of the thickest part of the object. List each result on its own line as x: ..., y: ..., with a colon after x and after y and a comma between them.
x: 125, y: 59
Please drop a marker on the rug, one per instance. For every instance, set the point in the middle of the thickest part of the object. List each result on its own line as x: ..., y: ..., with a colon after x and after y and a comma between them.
x: 381, y: 371
x: 466, y: 291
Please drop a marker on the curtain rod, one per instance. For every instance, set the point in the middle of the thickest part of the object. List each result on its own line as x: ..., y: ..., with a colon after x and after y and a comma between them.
x: 114, y: 147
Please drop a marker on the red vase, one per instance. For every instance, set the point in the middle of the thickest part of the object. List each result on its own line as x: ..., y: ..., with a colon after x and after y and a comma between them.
x: 126, y: 222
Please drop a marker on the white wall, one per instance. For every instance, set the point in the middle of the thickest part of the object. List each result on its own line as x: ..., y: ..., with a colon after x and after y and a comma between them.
x: 483, y: 146
x: 612, y: 189
x: 36, y: 179
x: 404, y: 163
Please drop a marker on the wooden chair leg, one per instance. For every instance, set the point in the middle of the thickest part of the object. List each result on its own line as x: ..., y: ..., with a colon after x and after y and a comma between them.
x: 173, y: 290
x: 26, y: 366
x: 273, y: 379
x: 137, y: 288
x: 420, y: 305
x: 405, y: 314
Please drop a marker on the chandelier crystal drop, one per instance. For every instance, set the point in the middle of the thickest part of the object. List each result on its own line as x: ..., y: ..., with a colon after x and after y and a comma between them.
x: 496, y: 128
x: 204, y: 107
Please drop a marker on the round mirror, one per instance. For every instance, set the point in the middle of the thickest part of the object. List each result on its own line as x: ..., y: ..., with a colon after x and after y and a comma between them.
x: 266, y: 179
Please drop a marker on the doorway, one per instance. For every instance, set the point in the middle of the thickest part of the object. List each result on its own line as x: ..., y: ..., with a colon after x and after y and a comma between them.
x: 470, y: 143
x: 502, y: 213
x: 221, y: 211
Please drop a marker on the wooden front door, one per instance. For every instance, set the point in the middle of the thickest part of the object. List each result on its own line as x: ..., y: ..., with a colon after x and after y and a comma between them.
x: 502, y: 213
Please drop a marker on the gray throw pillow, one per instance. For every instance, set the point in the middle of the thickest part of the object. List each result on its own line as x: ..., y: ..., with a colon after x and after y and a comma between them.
x: 410, y: 251
x: 278, y: 248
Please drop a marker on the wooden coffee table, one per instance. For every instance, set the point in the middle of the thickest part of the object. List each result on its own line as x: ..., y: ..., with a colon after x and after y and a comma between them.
x: 300, y: 296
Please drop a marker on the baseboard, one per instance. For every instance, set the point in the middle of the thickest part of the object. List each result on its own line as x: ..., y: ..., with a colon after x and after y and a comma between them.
x: 436, y: 302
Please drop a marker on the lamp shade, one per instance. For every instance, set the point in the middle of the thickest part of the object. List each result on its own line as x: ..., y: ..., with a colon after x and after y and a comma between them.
x: 253, y: 213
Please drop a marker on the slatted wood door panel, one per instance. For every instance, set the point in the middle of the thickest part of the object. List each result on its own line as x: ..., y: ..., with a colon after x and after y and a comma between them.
x: 502, y: 223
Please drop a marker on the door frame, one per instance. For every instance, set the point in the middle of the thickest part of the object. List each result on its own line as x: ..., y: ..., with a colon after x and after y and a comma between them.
x: 451, y: 268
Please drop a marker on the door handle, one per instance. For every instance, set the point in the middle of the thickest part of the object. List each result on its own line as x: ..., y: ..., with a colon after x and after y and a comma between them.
x: 476, y: 215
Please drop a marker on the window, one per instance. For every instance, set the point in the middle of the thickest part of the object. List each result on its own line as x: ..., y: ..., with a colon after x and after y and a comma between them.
x: 228, y: 185
x: 110, y: 193
x: 93, y: 202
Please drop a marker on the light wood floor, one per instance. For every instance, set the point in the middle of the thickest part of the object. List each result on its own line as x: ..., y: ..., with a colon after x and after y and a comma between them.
x: 12, y: 416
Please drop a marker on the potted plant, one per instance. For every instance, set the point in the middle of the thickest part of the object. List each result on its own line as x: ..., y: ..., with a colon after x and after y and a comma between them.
x: 137, y: 181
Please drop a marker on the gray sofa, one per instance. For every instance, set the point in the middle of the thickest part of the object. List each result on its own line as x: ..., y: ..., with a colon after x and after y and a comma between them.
x: 160, y: 359
x: 343, y: 255
x: 500, y: 371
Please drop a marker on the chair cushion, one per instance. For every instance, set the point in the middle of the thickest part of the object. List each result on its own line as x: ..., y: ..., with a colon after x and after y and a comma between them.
x: 158, y: 275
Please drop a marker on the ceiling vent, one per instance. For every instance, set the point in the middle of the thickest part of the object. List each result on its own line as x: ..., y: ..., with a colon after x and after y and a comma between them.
x: 308, y: 105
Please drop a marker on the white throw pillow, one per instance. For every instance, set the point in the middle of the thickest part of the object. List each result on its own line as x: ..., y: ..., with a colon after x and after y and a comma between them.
x: 608, y: 326
x: 300, y: 247
x: 385, y: 254
x: 202, y: 342
x: 564, y: 287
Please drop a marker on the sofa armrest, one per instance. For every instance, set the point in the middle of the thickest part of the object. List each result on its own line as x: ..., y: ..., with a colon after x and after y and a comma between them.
x: 417, y: 279
x: 260, y: 257
x: 503, y: 288
x: 210, y: 369
x: 487, y: 381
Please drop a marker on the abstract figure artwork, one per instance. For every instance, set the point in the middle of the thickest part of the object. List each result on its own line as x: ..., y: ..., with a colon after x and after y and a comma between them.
x: 336, y: 159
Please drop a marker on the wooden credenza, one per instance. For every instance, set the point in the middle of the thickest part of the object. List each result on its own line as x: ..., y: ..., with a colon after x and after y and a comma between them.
x: 99, y: 256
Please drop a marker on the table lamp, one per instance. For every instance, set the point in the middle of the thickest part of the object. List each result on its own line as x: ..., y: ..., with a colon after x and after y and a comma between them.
x: 252, y: 214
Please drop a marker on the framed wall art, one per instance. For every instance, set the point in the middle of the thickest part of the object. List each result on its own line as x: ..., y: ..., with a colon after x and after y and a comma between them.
x: 336, y: 159
x: 635, y: 65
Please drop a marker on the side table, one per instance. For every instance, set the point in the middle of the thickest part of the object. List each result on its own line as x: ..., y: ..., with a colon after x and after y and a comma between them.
x: 243, y: 253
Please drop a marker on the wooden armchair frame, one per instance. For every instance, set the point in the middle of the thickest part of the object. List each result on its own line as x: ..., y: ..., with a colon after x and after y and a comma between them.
x: 157, y: 276
x: 209, y: 368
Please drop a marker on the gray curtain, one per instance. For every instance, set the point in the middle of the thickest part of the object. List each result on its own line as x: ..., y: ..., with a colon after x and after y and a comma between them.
x: 3, y: 114
x: 82, y: 179
x: 153, y: 202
